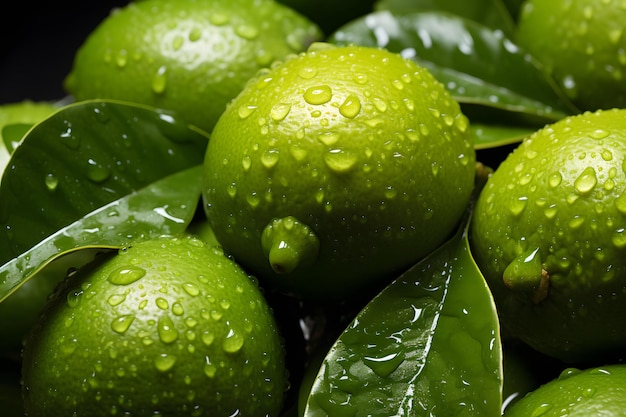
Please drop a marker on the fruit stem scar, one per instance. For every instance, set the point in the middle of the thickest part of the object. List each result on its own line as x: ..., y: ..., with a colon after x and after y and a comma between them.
x: 288, y: 244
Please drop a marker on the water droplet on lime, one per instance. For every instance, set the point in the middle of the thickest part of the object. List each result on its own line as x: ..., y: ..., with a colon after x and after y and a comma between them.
x: 318, y: 95
x: 126, y: 275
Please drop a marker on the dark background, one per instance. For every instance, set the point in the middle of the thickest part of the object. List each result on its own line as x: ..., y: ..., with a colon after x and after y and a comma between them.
x: 38, y: 42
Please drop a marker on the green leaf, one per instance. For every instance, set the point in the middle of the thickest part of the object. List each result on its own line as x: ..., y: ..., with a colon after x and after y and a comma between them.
x: 478, y: 65
x: 491, y: 13
x: 84, y: 157
x: 428, y: 344
x: 166, y: 206
x: 494, y: 135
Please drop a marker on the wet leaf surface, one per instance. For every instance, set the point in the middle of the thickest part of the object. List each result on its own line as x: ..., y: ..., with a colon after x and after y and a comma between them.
x: 479, y: 65
x: 428, y: 344
x: 119, y: 171
x: 103, y: 150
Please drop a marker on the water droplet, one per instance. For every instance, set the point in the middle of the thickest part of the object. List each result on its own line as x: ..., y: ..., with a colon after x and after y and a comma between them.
x: 122, y: 323
x: 620, y: 203
x: 385, y: 365
x: 207, y: 338
x: 159, y: 80
x: 307, y: 72
x: 232, y: 189
x: 191, y: 289
x: 177, y: 42
x: 399, y: 85
x: 607, y: 155
x: 410, y: 105
x: 298, y: 153
x: 339, y: 160
x: 462, y: 123
x: 390, y: 192
x: 586, y: 181
x: 121, y: 58
x: 233, y: 342
x: 318, y: 95
x: 599, y: 134
x: 178, y: 309
x: 195, y: 34
x: 126, y: 275
x: 555, y: 179
x: 162, y: 303
x: 270, y: 158
x: 253, y: 200
x: 245, y: 111
x: 116, y: 299
x: 246, y: 162
x: 328, y: 138
x: 619, y: 239
x: 550, y: 211
x: 576, y: 222
x: 280, y: 111
x: 351, y: 107
x: 248, y: 32
x: 51, y: 182
x: 541, y: 410
x: 517, y: 206
x: 167, y: 330
x: 97, y: 172
x: 209, y: 368
x: 164, y: 362
x: 219, y: 18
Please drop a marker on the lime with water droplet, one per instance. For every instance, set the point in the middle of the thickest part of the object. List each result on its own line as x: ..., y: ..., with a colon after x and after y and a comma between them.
x: 598, y: 391
x: 548, y: 235
x: 324, y: 148
x: 582, y: 45
x: 146, y: 333
x: 191, y: 57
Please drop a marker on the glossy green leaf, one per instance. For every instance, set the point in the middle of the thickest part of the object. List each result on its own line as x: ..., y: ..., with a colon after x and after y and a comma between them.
x: 489, y: 136
x: 166, y: 206
x: 478, y: 65
x: 85, y: 156
x: 428, y: 344
x: 491, y: 13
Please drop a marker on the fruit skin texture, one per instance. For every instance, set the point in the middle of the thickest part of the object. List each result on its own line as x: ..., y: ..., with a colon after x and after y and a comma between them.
x: 582, y: 45
x: 362, y: 151
x: 168, y: 326
x: 188, y: 56
x: 598, y: 391
x: 550, y: 222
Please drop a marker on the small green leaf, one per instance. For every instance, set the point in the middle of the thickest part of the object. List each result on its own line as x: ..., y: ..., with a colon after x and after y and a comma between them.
x: 491, y: 13
x: 479, y: 65
x: 84, y: 157
x: 494, y: 135
x: 428, y: 344
x: 166, y: 206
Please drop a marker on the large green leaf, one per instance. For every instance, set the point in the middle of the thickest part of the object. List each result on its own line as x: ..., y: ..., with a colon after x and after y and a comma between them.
x: 166, y: 206
x: 491, y: 13
x: 428, y: 344
x: 85, y: 156
x: 479, y: 65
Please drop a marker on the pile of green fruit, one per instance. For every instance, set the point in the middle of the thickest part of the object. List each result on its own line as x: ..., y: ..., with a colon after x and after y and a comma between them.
x: 280, y: 208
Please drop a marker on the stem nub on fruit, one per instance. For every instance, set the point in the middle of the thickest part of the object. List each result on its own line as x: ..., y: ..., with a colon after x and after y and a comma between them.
x: 526, y: 274
x: 289, y: 243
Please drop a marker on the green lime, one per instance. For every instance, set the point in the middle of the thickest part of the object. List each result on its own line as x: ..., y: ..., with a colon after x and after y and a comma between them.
x: 598, y: 391
x: 187, y: 56
x: 167, y: 326
x: 549, y: 233
x: 583, y: 46
x: 337, y: 169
